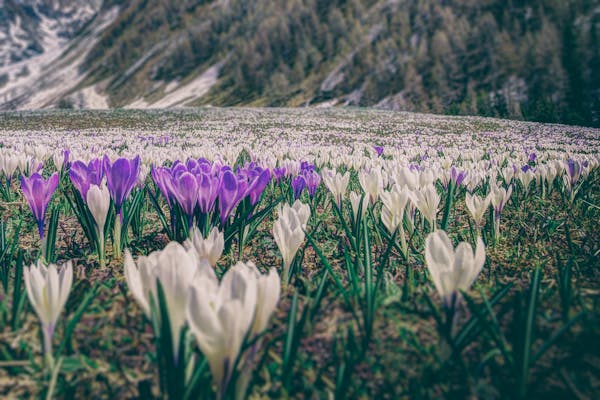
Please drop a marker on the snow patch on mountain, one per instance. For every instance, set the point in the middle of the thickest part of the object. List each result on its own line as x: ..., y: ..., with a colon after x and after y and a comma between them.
x: 56, y: 71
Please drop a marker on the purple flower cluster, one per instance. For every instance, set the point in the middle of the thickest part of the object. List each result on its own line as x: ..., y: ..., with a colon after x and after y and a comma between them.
x: 308, y: 179
x: 198, y: 184
x: 121, y: 177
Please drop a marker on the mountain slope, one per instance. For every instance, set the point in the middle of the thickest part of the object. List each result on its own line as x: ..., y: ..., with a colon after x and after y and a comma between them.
x: 531, y: 59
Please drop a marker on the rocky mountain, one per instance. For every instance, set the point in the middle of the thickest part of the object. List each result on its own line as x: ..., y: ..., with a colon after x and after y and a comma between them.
x: 525, y: 59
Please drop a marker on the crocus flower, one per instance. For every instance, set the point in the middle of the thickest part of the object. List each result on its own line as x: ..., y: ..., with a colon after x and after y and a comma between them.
x: 427, y: 200
x: 48, y: 290
x: 279, y: 173
x: 312, y: 182
x: 337, y: 184
x: 83, y: 175
x: 298, y: 185
x: 355, y: 203
x: 185, y: 191
x: 289, y: 235
x: 121, y: 177
x: 258, y: 185
x: 452, y: 270
x: 209, y: 248
x: 394, y: 204
x: 378, y: 150
x: 98, y: 201
x: 477, y: 206
x: 174, y: 267
x: 457, y: 177
x: 220, y: 316
x: 228, y: 190
x: 208, y: 189
x: 371, y: 182
x: 38, y: 193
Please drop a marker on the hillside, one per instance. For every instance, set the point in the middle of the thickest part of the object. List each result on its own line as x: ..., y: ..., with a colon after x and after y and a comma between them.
x: 524, y: 59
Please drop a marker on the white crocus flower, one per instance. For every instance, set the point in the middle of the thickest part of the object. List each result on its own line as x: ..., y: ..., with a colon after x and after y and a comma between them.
x: 98, y: 201
x: 174, y: 267
x: 477, y: 206
x: 289, y: 234
x: 452, y: 270
x: 394, y: 204
x: 303, y: 212
x: 427, y: 200
x: 220, y: 317
x: 371, y: 182
x: 48, y: 290
x: 355, y: 203
x: 337, y: 184
x: 209, y: 248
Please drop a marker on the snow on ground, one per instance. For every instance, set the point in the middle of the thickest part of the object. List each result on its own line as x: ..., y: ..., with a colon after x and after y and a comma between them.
x: 89, y: 98
x: 180, y: 96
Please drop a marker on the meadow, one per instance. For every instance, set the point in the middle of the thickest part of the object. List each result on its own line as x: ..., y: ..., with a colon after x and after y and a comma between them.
x: 297, y: 253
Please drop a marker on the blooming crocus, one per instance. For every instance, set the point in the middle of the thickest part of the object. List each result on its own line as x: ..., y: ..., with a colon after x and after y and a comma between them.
x: 298, y: 185
x: 208, y: 189
x: 162, y: 178
x: 121, y: 178
x: 228, y: 190
x: 457, y: 177
x: 258, y: 185
x: 427, y: 201
x: 289, y: 235
x: 302, y: 210
x: 185, y: 191
x: 48, y: 290
x: 371, y: 182
x: 38, y: 193
x: 499, y: 197
x: 83, y: 175
x: 98, y: 202
x: 209, y: 248
x: 337, y: 184
x: 268, y: 289
x: 378, y: 150
x: 174, y: 267
x: 313, y: 180
x: 355, y: 201
x: 452, y: 270
x: 279, y: 173
x: 477, y: 206
x: 220, y: 316
x: 394, y: 204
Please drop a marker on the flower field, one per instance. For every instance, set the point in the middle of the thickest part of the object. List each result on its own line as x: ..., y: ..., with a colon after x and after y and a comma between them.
x: 298, y: 253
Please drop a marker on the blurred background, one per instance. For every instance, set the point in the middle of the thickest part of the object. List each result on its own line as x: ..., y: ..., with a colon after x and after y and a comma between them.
x: 535, y: 60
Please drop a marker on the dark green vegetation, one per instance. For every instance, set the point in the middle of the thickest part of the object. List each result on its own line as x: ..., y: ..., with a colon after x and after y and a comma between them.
x: 526, y: 59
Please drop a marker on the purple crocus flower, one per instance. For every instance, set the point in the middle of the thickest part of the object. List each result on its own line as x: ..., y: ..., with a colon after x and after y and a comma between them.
x: 162, y: 179
x: 532, y: 157
x: 38, y: 193
x: 83, y: 175
x: 298, y: 185
x: 574, y: 170
x: 378, y: 150
x: 121, y: 177
x: 312, y: 182
x: 258, y: 185
x: 457, y: 176
x: 185, y: 190
x: 208, y: 188
x: 228, y: 191
x: 279, y: 173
